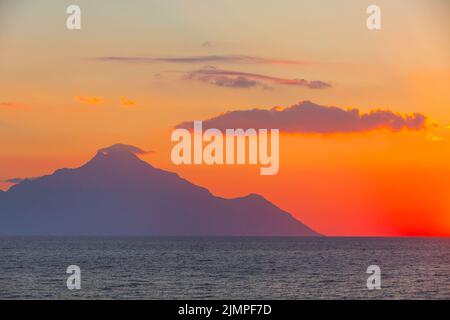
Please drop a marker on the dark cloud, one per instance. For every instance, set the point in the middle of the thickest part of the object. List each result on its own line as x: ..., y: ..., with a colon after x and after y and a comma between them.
x: 219, y: 80
x: 238, y: 79
x: 204, y: 59
x: 224, y: 81
x: 308, y: 117
x: 226, y: 78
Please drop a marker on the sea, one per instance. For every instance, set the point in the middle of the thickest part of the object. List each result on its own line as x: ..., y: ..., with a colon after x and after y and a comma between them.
x: 224, y: 268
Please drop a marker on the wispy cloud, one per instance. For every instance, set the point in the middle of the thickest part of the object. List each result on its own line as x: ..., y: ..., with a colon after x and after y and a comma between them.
x: 124, y: 148
x: 433, y: 137
x: 308, y: 117
x: 203, y: 59
x: 126, y: 102
x: 89, y: 100
x: 238, y: 79
x: 18, y: 180
x: 207, y: 44
x: 8, y: 105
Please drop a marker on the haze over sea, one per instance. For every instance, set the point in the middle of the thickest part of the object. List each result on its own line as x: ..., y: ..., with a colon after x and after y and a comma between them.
x: 224, y: 268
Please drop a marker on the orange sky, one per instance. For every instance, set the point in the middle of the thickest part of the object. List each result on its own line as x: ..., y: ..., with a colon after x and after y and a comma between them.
x: 59, y: 101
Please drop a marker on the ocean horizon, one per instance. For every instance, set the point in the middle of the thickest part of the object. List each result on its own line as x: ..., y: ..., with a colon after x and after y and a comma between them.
x: 34, y: 267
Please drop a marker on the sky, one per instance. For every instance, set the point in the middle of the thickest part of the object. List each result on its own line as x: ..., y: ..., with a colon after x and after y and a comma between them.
x: 137, y: 69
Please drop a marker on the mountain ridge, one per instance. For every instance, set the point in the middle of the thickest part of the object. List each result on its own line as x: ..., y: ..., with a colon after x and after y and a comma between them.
x: 117, y: 193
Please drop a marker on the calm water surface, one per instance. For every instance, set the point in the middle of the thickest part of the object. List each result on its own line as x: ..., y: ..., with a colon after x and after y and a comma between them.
x: 224, y: 268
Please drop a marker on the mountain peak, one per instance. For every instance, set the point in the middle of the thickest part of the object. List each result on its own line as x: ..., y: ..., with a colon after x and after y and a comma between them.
x: 117, y: 157
x: 117, y: 193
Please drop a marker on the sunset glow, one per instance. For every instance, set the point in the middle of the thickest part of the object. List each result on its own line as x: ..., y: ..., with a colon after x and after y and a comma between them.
x: 384, y: 170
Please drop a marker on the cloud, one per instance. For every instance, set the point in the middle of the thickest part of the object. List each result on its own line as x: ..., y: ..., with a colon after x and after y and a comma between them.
x: 89, y: 100
x: 125, y: 102
x: 124, y: 148
x: 433, y: 137
x: 18, y: 180
x: 5, y: 105
x: 226, y: 81
x: 238, y: 79
x: 207, y: 44
x: 308, y: 117
x: 204, y: 59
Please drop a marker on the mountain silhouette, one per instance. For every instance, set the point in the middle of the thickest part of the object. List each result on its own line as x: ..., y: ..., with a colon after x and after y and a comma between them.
x: 116, y: 193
